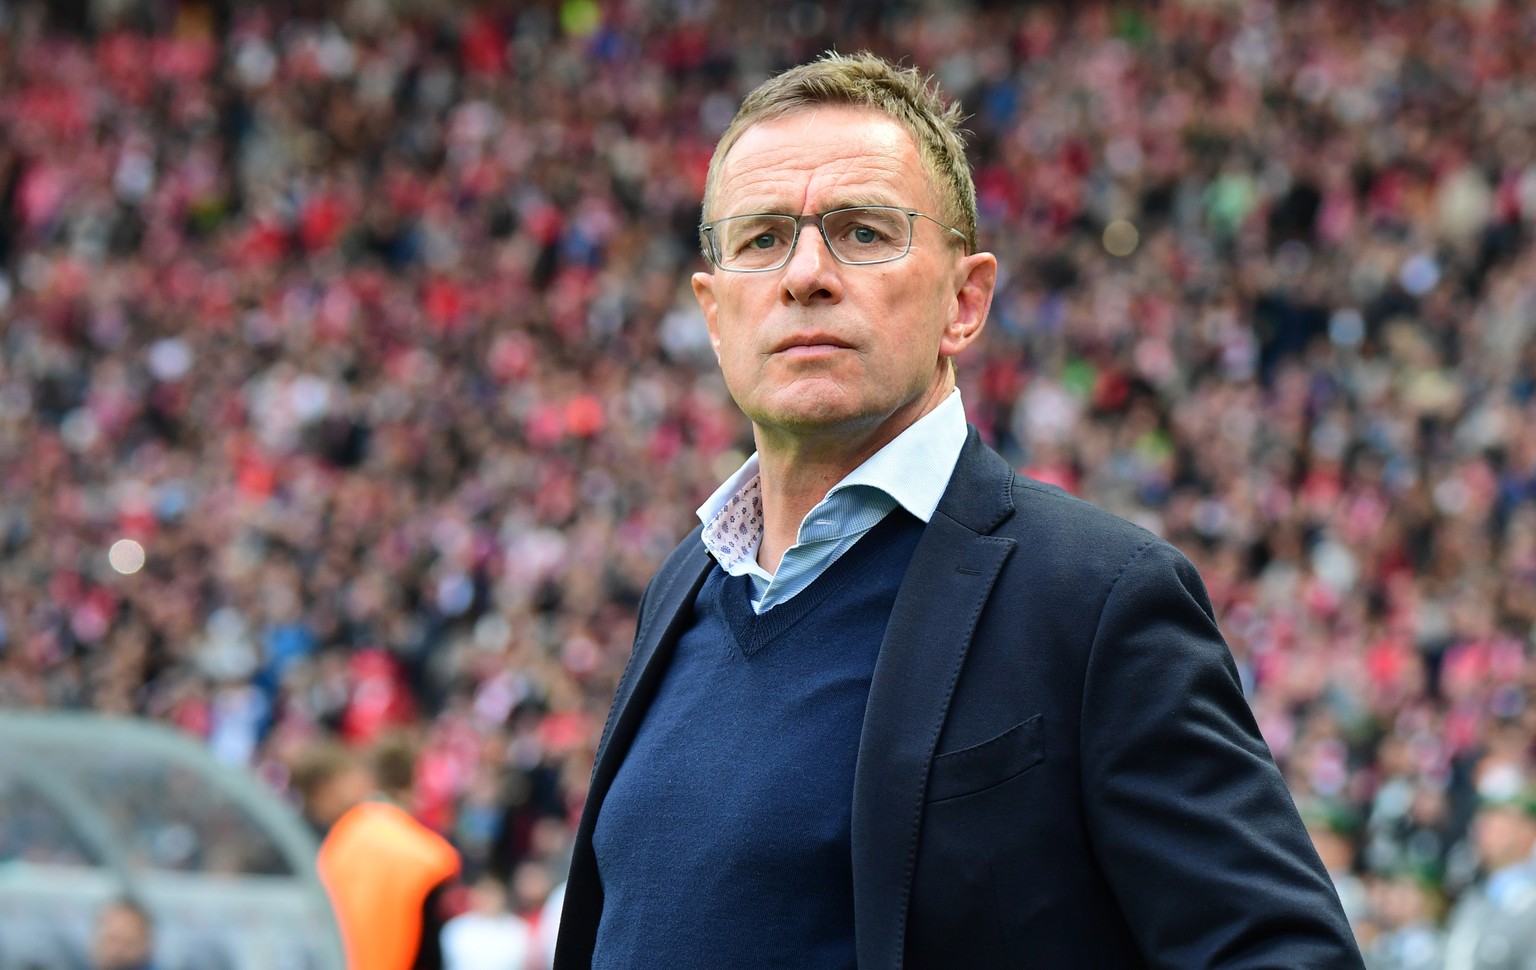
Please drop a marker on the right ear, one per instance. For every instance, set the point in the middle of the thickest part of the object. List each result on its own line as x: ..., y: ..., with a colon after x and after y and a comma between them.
x: 704, y: 292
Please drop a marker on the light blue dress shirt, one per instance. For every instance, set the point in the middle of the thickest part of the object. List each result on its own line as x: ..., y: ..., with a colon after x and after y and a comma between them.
x: 911, y: 471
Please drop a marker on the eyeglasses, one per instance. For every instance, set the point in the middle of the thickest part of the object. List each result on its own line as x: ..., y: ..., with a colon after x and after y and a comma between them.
x: 858, y: 235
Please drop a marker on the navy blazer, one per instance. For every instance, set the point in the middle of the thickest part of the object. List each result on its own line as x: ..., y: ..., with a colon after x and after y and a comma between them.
x: 1057, y: 766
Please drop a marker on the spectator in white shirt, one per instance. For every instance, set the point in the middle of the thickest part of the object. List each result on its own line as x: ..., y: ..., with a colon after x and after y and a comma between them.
x: 488, y: 936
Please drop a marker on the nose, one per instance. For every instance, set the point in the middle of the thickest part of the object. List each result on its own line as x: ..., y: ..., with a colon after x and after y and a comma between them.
x: 812, y: 273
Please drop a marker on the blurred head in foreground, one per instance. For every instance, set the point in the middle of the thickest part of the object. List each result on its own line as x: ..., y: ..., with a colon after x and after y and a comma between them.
x: 124, y: 937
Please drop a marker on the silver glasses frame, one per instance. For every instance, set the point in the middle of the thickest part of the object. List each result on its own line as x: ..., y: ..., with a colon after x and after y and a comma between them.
x: 712, y: 251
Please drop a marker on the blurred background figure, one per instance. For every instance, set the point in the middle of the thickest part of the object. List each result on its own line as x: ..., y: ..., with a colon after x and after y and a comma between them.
x: 387, y: 874
x: 1402, y: 932
x: 124, y: 938
x: 330, y: 780
x: 489, y: 936
x: 1494, y: 924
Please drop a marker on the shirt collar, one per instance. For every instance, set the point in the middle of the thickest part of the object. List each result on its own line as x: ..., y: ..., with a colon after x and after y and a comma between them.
x: 733, y: 517
x: 914, y: 468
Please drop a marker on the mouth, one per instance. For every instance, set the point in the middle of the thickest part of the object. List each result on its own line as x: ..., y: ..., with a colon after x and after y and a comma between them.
x: 811, y: 343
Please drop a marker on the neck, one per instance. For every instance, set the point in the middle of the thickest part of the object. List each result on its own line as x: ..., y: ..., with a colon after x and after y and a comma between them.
x: 790, y: 489
x: 797, y: 470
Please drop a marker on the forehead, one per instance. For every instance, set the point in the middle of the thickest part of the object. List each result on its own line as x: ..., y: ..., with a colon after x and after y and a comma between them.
x: 121, y: 919
x: 821, y: 158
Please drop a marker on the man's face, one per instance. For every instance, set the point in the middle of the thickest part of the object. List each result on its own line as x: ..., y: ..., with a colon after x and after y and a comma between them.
x: 333, y: 799
x: 121, y: 942
x: 820, y: 349
x: 1504, y: 835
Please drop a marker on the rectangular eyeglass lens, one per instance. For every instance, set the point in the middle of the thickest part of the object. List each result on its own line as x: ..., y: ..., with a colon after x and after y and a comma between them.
x: 868, y: 234
x: 754, y: 240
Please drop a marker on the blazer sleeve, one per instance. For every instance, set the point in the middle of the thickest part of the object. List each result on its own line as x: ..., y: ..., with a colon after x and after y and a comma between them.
x: 1187, y: 812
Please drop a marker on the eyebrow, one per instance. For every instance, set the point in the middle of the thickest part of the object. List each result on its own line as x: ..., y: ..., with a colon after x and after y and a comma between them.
x: 839, y: 202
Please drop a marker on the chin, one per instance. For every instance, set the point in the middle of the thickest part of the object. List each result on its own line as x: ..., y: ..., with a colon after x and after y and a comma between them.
x: 827, y: 418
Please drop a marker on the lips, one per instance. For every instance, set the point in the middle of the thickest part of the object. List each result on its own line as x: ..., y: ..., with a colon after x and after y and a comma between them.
x: 811, y: 341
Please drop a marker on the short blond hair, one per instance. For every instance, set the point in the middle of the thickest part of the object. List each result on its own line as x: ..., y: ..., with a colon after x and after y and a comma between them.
x: 864, y: 80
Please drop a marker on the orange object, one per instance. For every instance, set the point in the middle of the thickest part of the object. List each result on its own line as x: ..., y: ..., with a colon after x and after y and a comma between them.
x: 378, y: 864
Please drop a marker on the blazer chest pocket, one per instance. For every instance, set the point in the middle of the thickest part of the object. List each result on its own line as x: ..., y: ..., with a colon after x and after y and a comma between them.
x: 990, y: 763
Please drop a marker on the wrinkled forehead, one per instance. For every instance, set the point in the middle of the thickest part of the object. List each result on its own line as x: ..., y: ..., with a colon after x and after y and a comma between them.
x: 820, y: 157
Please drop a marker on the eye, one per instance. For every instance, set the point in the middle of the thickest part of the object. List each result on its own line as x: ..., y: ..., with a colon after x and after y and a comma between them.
x: 868, y: 228
x: 754, y: 235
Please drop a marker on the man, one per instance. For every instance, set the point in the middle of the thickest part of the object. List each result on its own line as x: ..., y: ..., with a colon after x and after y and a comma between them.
x: 1494, y: 925
x: 487, y: 936
x: 892, y: 705
x: 124, y: 937
x: 384, y: 871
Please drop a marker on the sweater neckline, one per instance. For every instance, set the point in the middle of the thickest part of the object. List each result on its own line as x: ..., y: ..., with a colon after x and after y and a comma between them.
x: 753, y: 631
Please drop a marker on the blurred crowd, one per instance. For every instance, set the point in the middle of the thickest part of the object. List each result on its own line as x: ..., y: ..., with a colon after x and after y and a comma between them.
x: 350, y: 379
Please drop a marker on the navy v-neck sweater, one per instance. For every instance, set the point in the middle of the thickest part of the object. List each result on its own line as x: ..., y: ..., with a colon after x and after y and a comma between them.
x: 725, y: 838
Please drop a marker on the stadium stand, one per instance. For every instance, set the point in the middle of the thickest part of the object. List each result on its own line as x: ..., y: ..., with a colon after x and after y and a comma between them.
x: 351, y: 379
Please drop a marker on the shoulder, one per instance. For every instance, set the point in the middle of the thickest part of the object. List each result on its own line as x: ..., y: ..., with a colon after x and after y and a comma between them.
x: 1057, y: 529
x: 380, y: 827
x: 682, y: 565
x: 1514, y: 892
x: 1061, y: 543
x: 987, y: 495
x: 684, y: 555
x: 674, y: 578
x: 1048, y: 507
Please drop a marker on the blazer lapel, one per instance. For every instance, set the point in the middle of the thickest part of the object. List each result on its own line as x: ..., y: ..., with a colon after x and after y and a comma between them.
x: 951, y: 576
x: 665, y: 613
x: 663, y: 617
